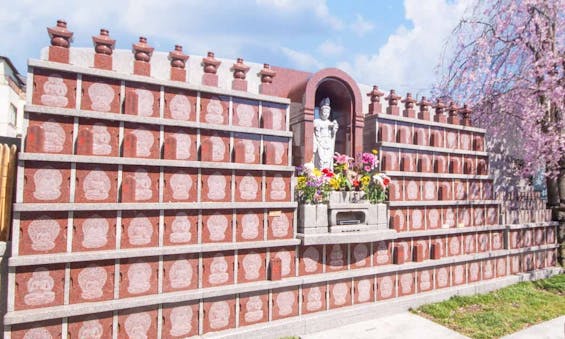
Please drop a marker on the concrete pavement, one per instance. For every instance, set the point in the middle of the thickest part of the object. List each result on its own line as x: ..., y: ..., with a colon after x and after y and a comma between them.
x: 407, y: 325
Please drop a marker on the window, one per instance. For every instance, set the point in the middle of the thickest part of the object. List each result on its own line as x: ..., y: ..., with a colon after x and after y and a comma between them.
x: 13, y: 115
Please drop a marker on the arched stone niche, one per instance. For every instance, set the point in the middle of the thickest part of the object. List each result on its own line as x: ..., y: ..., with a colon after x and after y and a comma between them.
x: 347, y: 109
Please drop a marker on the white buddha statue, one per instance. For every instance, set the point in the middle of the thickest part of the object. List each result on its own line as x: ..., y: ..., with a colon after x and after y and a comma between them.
x: 325, y: 131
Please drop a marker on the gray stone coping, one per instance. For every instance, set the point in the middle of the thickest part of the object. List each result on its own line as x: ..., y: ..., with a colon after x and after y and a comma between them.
x: 437, y: 175
x: 430, y: 148
x: 150, y: 80
x: 398, y: 118
x: 62, y: 311
x: 346, y: 237
x: 80, y: 113
x: 55, y: 258
x: 343, y: 316
x: 446, y: 231
x: 533, y: 225
x: 87, y: 159
x: 419, y: 203
x: 30, y: 207
x: 3, y: 247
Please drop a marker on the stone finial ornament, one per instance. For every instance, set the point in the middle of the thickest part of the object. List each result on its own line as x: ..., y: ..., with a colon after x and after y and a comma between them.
x: 178, y: 64
x: 267, y: 75
x: 424, y: 109
x: 142, y: 53
x: 239, y: 72
x: 408, y: 102
x: 61, y: 39
x: 392, y: 98
x: 466, y: 113
x: 210, y: 63
x: 375, y: 107
x: 453, y: 115
x: 103, y: 48
x: 439, y: 107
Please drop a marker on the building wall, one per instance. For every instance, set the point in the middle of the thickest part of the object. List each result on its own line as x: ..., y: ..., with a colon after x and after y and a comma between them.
x: 10, y: 94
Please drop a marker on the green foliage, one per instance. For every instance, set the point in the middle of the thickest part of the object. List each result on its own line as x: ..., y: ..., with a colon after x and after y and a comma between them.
x: 501, y: 312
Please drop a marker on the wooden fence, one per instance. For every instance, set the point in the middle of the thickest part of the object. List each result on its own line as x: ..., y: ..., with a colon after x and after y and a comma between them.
x: 8, y: 159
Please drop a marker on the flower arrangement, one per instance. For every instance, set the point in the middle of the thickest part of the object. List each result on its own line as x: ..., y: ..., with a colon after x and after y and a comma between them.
x: 349, y: 174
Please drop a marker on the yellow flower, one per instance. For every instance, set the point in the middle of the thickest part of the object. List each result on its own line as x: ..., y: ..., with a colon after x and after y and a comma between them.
x: 365, y: 180
x: 317, y: 172
x: 301, y: 182
x: 374, y: 151
x: 334, y: 183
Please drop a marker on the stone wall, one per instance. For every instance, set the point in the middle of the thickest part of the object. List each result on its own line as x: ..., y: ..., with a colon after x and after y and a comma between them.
x: 158, y: 206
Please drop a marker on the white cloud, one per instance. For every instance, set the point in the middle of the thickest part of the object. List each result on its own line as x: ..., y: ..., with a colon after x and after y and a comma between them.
x: 301, y: 60
x: 361, y: 26
x: 329, y: 47
x: 408, y: 59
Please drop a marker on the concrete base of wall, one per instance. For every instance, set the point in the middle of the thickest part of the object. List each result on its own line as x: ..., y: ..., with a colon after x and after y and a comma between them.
x: 336, y: 318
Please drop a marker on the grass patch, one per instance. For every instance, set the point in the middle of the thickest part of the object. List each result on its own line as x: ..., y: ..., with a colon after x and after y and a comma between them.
x: 501, y: 312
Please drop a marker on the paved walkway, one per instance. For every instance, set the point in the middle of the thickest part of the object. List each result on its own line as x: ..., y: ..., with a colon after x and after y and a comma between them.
x: 406, y: 325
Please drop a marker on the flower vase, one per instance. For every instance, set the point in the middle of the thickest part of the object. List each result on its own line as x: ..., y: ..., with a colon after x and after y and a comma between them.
x: 312, y: 216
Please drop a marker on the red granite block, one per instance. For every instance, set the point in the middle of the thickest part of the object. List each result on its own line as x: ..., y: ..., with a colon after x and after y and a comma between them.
x: 217, y: 226
x: 180, y: 320
x: 418, y: 253
x: 336, y: 257
x: 396, y: 190
x: 455, y: 165
x: 43, y: 232
x: 425, y: 280
x: 284, y: 303
x: 218, y: 269
x: 469, y: 166
x: 137, y: 323
x: 550, y: 235
x: 482, y: 167
x: 46, y: 182
x: 247, y: 147
x: 251, y: 265
x: 100, y: 94
x: 180, y: 104
x: 37, y: 329
x: 413, y: 189
x: 515, y: 239
x: 436, y: 137
x: 339, y: 293
x: 416, y: 219
x: 528, y: 262
x: 478, y: 143
x: 180, y: 144
x: 424, y: 163
x: 454, y: 245
x: 180, y: 185
x: 458, y: 274
x: 54, y: 88
x: 248, y: 186
x: 465, y: 141
x: 386, y: 133
x: 313, y: 298
x: 406, y: 284
x: 310, y: 260
x: 551, y: 258
x: 249, y: 225
x: 140, y: 229
x: 444, y: 190
x: 473, y: 271
x: 469, y: 243
x: 142, y: 100
x: 497, y: 240
x: 280, y: 224
x: 489, y: 270
x: 92, y: 325
x: 360, y: 255
x: 442, y: 275
x: 215, y: 146
x: 483, y: 242
x: 180, y: 272
x: 386, y: 287
x: 452, y: 139
x: 437, y: 248
x: 92, y: 281
x: 501, y: 267
x: 277, y: 187
x: 140, y: 184
x: 382, y: 253
x: 219, y: 314
x: 214, y: 109
x: 49, y: 134
x: 440, y: 164
x: 389, y: 161
x: 492, y: 215
x: 403, y: 134
x: 287, y: 256
x: 96, y: 183
x: 216, y: 186
x: 421, y: 136
x: 449, y: 217
x: 515, y: 264
x: 273, y: 116
x: 364, y: 290
x: 527, y: 238
x: 141, y: 141
x: 245, y: 113
x: 94, y: 231
x: 180, y: 227
x: 39, y: 286
x: 398, y: 219
x: 253, y: 308
x: 138, y: 276
x: 487, y: 190
x: 276, y: 151
x: 464, y: 217
x: 433, y: 218
x: 430, y: 190
x: 478, y: 216
x: 98, y: 137
x: 401, y: 252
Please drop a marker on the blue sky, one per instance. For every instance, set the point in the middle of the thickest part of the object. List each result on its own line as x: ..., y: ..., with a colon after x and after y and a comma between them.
x: 393, y: 44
